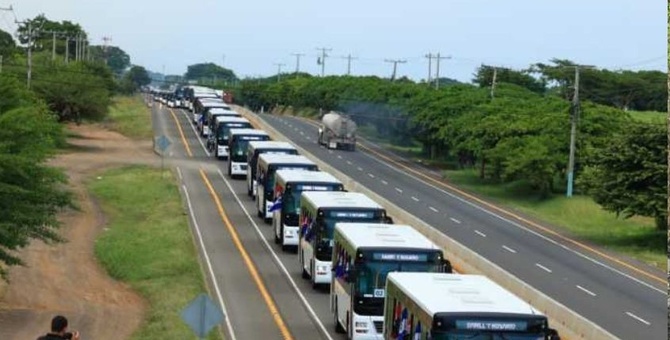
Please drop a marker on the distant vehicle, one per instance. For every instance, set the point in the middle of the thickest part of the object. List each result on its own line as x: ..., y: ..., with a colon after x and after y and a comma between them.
x: 289, y: 187
x: 268, y: 164
x: 256, y: 148
x: 450, y: 306
x: 238, y: 141
x: 363, y: 255
x: 337, y: 132
x: 200, y: 103
x: 218, y: 141
x: 319, y: 211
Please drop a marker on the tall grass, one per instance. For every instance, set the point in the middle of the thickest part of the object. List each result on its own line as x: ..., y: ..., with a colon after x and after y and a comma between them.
x: 148, y: 245
x: 131, y: 117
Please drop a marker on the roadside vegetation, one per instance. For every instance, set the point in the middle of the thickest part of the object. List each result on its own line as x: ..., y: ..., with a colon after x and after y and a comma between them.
x: 130, y: 116
x: 62, y: 88
x: 148, y: 244
x: 517, y: 137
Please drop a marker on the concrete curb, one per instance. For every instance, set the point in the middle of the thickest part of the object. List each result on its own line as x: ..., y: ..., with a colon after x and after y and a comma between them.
x: 569, y: 324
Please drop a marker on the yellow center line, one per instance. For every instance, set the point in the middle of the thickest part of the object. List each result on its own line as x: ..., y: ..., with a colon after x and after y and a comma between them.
x: 247, y: 260
x: 505, y: 212
x: 181, y: 132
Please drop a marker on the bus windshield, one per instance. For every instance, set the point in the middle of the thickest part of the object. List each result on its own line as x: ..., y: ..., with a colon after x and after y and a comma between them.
x: 224, y: 130
x: 239, y: 147
x: 371, y: 275
x: 291, y: 200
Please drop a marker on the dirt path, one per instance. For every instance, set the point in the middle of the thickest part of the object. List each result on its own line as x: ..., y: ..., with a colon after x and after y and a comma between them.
x: 65, y: 278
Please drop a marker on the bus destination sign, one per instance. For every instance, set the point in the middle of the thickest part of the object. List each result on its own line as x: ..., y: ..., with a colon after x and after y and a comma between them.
x: 485, y: 325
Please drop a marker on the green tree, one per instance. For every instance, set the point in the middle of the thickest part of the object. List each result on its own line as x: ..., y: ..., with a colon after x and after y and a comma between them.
x: 484, y: 78
x: 138, y: 77
x: 116, y: 58
x: 43, y: 41
x: 31, y: 193
x: 629, y: 175
x: 209, y: 71
x: 7, y: 44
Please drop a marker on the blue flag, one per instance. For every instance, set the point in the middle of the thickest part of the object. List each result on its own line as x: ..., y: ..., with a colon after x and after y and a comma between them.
x: 403, y: 330
x: 277, y: 204
x: 417, y: 332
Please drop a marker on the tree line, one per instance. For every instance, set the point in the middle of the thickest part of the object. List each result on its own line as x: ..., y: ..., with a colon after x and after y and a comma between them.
x: 517, y: 130
x: 31, y: 192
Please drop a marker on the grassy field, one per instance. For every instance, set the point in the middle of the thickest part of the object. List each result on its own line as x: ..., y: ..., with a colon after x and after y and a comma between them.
x: 580, y: 215
x: 131, y: 117
x: 149, y: 246
x: 649, y: 116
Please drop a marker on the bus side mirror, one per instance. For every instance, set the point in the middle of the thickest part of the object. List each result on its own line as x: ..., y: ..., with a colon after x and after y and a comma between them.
x: 388, y: 220
x: 446, y: 267
x: 552, y: 334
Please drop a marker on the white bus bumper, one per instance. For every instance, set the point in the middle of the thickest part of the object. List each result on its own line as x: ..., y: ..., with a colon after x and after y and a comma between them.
x: 239, y: 169
x: 290, y: 235
x: 364, y: 327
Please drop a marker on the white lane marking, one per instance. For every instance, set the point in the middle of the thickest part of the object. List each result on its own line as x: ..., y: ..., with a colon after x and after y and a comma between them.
x: 638, y: 318
x: 509, y: 249
x: 276, y: 258
x: 385, y: 182
x: 543, y: 268
x: 338, y: 156
x: 478, y: 207
x: 371, y: 175
x: 360, y: 169
x: 302, y: 133
x: 586, y: 290
x: 179, y: 173
x: 415, y: 199
x: 480, y: 233
x: 209, y: 264
x: 349, y: 162
x: 455, y: 220
x: 433, y: 209
x: 197, y: 136
x: 398, y: 190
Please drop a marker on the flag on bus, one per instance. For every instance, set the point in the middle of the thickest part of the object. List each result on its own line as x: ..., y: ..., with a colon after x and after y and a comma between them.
x: 417, y: 332
x: 277, y: 204
x: 403, y: 330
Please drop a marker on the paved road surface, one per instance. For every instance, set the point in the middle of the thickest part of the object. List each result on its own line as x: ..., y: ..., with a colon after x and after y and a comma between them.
x: 625, y: 302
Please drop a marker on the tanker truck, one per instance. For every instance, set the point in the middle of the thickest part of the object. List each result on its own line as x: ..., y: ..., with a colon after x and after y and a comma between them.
x: 337, y: 132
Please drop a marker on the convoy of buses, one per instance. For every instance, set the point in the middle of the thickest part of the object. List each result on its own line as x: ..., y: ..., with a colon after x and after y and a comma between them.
x: 386, y: 281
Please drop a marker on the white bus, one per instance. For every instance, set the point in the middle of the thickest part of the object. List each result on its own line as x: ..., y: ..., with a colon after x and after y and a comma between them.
x: 363, y: 255
x: 238, y: 140
x: 454, y: 307
x: 209, y: 114
x: 203, y: 94
x: 256, y: 148
x: 290, y: 184
x: 218, y: 141
x: 268, y: 164
x: 319, y: 211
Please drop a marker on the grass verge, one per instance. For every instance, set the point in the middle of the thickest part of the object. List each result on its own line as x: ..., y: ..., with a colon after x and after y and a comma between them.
x: 148, y: 245
x: 131, y: 117
x: 580, y: 215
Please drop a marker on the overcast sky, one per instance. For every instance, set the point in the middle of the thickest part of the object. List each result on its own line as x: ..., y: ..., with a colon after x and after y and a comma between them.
x: 255, y: 34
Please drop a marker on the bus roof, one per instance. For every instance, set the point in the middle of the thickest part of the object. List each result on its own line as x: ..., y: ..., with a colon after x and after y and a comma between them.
x: 270, y: 158
x: 222, y: 109
x: 456, y: 293
x: 231, y: 119
x: 299, y: 176
x: 250, y: 132
x: 338, y: 199
x: 270, y: 144
x: 215, y: 104
x: 378, y: 235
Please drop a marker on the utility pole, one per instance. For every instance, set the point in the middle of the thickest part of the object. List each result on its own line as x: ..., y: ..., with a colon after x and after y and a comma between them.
x: 493, y: 82
x: 31, y: 34
x: 67, y: 49
x: 322, y: 60
x: 437, y: 76
x: 297, y: 61
x: 279, y: 65
x: 0, y: 63
x: 53, y: 46
x: 105, y: 41
x: 430, y: 57
x: 395, y: 65
x: 349, y: 59
x: 574, y: 117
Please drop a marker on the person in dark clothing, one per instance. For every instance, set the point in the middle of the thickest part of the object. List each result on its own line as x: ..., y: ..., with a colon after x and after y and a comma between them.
x: 59, y: 330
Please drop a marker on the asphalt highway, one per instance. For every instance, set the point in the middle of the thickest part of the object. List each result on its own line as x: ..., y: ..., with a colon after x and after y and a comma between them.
x: 626, y: 299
